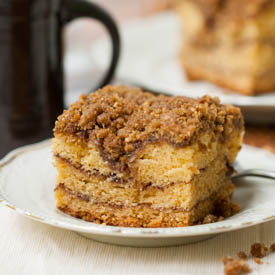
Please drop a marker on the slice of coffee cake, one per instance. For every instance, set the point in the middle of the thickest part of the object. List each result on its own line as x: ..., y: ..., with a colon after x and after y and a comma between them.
x: 230, y: 43
x: 129, y: 158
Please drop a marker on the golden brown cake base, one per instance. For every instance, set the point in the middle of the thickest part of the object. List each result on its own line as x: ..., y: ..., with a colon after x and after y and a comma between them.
x: 140, y: 215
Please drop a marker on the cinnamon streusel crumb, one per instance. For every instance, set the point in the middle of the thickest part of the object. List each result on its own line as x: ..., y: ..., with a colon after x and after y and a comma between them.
x: 258, y: 250
x: 235, y: 266
x: 272, y: 247
x: 258, y: 260
x: 242, y: 255
x: 227, y: 259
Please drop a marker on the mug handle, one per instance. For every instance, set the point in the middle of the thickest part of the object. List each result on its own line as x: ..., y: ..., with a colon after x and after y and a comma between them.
x: 79, y: 8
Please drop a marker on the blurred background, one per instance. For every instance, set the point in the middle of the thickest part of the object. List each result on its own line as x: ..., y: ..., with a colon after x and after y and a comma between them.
x: 84, y: 31
x: 82, y: 34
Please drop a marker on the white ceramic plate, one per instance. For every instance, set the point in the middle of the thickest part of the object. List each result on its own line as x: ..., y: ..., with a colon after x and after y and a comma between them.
x: 150, y: 49
x: 27, y: 180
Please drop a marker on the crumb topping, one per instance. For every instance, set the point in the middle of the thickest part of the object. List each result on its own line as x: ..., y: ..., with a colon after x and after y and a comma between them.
x: 120, y: 119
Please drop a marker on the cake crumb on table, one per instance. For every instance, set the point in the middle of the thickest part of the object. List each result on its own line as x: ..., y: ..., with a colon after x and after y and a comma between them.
x: 235, y: 266
x: 272, y: 247
x: 242, y: 255
x: 258, y: 260
x: 239, y: 265
x: 258, y: 250
x: 227, y: 259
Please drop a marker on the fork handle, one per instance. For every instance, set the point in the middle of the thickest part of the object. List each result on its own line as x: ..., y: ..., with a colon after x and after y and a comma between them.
x: 261, y: 173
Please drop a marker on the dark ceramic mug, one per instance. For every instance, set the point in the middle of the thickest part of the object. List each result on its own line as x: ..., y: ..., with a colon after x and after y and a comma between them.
x: 31, y: 67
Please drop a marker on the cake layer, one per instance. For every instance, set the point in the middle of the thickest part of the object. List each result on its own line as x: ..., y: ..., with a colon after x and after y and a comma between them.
x: 236, y: 81
x: 139, y: 215
x: 246, y: 68
x: 157, y: 164
x: 248, y: 60
x: 176, y: 194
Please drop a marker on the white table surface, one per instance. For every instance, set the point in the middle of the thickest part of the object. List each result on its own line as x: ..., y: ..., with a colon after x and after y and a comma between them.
x: 29, y: 247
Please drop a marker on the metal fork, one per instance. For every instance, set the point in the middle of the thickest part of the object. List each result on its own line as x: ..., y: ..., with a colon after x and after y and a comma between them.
x: 255, y: 172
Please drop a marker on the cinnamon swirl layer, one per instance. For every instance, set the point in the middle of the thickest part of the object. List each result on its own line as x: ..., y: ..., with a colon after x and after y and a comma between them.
x: 241, y: 69
x: 176, y: 194
x: 158, y: 163
x: 139, y: 215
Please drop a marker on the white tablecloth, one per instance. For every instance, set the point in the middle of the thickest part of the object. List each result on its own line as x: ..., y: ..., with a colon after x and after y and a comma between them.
x: 29, y: 247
